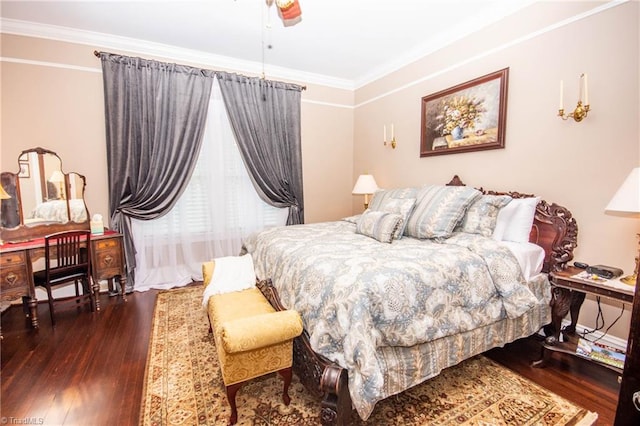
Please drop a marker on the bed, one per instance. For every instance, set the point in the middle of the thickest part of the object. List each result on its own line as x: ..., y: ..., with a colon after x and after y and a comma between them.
x: 391, y: 297
x: 56, y: 211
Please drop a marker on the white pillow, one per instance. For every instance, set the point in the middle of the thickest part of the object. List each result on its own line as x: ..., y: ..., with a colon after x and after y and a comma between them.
x: 530, y: 257
x: 515, y: 220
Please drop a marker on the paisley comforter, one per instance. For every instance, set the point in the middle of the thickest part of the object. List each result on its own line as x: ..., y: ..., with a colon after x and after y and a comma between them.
x: 358, y: 296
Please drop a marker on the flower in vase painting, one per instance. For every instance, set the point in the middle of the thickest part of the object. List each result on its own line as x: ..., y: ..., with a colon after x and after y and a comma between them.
x: 459, y: 111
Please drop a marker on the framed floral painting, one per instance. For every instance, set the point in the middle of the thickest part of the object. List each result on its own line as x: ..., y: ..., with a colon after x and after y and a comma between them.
x: 468, y: 117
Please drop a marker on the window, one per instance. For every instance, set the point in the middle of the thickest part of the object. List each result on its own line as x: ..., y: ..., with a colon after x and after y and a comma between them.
x: 217, y: 210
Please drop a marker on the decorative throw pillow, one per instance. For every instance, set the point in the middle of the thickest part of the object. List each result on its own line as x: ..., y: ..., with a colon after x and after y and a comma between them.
x: 381, y: 195
x: 378, y: 225
x: 401, y: 206
x: 438, y: 210
x: 515, y: 220
x: 482, y: 215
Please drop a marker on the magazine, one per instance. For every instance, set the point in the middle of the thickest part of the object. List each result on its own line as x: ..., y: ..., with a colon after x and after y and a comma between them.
x: 602, y: 353
x: 591, y: 277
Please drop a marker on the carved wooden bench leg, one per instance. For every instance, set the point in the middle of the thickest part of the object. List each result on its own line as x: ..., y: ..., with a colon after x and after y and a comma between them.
x: 286, y: 374
x: 231, y: 396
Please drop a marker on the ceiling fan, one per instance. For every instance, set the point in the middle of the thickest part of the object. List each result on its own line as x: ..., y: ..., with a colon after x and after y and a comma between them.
x: 288, y: 10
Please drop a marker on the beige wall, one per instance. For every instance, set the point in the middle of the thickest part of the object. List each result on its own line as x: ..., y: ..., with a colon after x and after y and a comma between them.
x: 577, y: 165
x: 52, y: 97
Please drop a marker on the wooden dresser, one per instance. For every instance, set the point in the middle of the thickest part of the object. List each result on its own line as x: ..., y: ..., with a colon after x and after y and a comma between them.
x: 17, y: 259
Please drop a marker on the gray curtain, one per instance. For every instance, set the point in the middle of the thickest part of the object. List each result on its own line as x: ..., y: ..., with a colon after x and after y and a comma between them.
x: 155, y: 118
x: 265, y: 117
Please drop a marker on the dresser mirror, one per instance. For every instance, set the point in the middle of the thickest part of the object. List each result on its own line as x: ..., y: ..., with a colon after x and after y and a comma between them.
x: 40, y: 198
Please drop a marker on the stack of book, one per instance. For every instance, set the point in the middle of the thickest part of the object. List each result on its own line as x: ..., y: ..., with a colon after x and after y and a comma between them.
x: 602, y: 353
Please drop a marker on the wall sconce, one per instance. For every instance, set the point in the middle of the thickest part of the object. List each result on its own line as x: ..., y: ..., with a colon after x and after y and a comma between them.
x: 365, y: 185
x: 393, y: 137
x: 581, y: 110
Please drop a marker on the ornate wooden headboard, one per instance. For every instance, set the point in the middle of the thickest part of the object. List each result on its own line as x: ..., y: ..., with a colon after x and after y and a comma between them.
x: 554, y: 229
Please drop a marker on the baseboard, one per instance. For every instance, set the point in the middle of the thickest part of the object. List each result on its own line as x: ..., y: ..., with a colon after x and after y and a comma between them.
x: 65, y: 291
x: 609, y: 340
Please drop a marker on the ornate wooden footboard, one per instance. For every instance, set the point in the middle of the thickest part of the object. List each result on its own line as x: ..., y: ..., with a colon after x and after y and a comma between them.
x: 554, y: 229
x: 320, y: 376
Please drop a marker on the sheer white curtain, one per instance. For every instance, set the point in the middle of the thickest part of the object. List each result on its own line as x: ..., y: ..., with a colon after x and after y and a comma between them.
x: 217, y: 210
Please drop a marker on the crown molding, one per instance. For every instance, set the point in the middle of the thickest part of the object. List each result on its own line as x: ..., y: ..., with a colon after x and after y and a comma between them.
x: 173, y: 53
x: 141, y: 47
x: 456, y: 33
x: 495, y: 49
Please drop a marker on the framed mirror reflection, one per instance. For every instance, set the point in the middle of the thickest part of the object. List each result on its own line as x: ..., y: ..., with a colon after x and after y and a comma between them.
x: 40, y: 198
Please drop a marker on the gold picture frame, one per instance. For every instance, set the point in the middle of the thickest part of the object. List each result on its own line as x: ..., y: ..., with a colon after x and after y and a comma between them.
x: 468, y: 117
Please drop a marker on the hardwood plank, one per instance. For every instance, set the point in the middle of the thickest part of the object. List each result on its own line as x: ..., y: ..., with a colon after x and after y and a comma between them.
x: 90, y: 368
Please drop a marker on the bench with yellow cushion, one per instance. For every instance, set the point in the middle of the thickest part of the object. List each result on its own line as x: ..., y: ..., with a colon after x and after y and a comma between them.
x: 252, y: 338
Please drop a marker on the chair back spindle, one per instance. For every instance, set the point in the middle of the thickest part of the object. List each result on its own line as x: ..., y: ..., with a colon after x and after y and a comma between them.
x: 68, y: 260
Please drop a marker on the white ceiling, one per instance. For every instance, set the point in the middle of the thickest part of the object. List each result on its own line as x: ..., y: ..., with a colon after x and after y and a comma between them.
x: 344, y: 43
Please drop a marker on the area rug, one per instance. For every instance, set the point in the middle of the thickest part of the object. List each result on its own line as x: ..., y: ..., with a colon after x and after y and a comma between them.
x: 183, y: 386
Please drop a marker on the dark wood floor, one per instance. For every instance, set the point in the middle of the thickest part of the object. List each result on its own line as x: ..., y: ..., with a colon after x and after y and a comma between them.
x: 89, y: 370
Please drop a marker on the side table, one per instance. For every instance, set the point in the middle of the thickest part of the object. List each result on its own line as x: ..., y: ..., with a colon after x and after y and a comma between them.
x: 568, y: 293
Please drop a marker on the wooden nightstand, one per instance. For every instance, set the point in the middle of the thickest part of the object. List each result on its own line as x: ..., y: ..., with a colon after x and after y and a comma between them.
x: 568, y: 293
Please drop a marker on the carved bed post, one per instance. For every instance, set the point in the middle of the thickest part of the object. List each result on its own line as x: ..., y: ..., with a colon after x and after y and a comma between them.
x: 336, y: 404
x: 319, y: 375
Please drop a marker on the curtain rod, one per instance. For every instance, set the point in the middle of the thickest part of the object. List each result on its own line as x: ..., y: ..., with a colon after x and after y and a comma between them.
x: 97, y: 55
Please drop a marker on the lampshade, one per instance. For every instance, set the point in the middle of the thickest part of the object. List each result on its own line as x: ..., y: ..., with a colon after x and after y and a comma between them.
x: 56, y: 177
x: 3, y: 194
x: 627, y: 199
x: 365, y: 184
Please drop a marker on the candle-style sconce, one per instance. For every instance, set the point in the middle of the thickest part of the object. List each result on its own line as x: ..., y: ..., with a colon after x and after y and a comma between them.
x: 581, y: 110
x: 393, y: 137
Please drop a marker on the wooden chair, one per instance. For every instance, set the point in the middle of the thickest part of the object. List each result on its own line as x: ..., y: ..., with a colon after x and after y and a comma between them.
x: 68, y: 260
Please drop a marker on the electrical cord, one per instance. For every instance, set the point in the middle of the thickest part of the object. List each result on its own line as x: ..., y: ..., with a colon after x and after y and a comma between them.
x: 600, y: 323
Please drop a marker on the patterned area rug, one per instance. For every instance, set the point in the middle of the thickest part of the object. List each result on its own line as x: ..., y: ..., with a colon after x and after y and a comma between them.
x: 183, y: 386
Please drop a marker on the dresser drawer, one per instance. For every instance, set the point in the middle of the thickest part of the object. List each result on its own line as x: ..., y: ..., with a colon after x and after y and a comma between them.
x: 107, y: 244
x: 14, y: 281
x: 107, y: 262
x: 9, y: 259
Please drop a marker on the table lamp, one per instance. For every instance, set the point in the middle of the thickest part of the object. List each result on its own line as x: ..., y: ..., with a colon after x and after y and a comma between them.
x: 3, y: 194
x: 626, y: 201
x: 57, y: 177
x: 366, y: 185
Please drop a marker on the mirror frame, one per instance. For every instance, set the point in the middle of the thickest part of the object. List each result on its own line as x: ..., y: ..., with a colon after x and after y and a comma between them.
x: 28, y: 232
